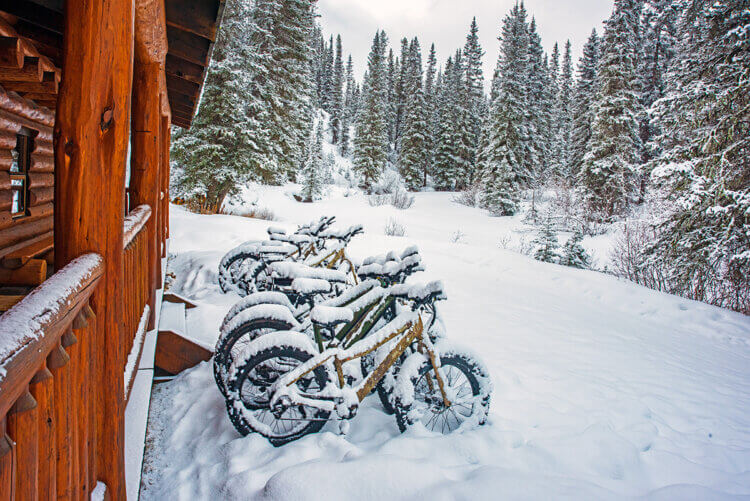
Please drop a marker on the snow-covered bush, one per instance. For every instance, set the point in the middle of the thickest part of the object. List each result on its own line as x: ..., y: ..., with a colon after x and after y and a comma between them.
x: 457, y: 237
x: 402, y: 200
x: 469, y: 196
x: 394, y: 228
x: 546, y: 243
x: 628, y: 256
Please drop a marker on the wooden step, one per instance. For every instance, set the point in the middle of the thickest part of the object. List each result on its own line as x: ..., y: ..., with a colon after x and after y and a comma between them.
x: 175, y: 352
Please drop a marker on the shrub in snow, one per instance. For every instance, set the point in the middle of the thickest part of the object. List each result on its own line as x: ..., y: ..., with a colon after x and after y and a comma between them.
x: 629, y: 260
x: 574, y: 254
x: 394, y: 229
x: 457, y: 237
x: 389, y: 182
x: 546, y: 243
x: 402, y: 200
x: 313, y: 169
x: 469, y: 196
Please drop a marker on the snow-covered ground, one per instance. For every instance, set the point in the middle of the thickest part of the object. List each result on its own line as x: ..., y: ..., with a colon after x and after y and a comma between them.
x: 603, y: 389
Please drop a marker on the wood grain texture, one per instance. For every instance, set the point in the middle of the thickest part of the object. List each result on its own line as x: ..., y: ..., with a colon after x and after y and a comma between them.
x: 22, y: 428
x: 33, y: 273
x: 91, y: 134
x: 41, y: 388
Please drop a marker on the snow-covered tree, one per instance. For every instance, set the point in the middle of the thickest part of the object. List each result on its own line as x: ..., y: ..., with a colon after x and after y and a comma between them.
x: 371, y: 139
x: 608, y: 177
x: 476, y: 106
x: 547, y: 246
x: 564, y: 115
x: 540, y: 107
x: 584, y: 95
x: 703, y: 170
x: 574, y: 255
x: 414, y: 157
x: 337, y: 94
x: 312, y: 175
x: 506, y: 147
x: 219, y: 152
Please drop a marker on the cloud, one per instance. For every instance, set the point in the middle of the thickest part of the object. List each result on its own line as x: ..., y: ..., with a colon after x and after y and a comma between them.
x: 446, y: 22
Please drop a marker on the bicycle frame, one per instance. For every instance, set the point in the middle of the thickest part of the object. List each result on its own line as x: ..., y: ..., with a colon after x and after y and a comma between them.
x: 284, y: 392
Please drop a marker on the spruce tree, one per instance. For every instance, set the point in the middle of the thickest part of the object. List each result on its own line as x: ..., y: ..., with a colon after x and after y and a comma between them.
x: 337, y: 97
x: 349, y: 111
x: 540, y: 107
x: 312, y: 170
x: 608, y: 177
x: 413, y: 154
x: 217, y: 153
x: 564, y: 123
x: 574, y: 255
x: 476, y: 105
x: 584, y: 97
x: 547, y: 246
x: 371, y: 139
x: 507, y: 148
x: 703, y: 170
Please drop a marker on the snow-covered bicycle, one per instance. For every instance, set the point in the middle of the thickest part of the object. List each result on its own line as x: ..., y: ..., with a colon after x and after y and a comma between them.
x: 288, y: 307
x: 285, y: 385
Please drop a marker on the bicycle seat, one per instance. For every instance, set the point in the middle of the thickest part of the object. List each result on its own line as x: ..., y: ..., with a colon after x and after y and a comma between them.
x: 311, y: 286
x: 331, y: 316
x: 419, y: 294
x: 291, y: 270
x: 273, y: 230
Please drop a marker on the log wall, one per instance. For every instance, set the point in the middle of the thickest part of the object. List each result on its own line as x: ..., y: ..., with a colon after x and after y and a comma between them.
x: 24, y: 234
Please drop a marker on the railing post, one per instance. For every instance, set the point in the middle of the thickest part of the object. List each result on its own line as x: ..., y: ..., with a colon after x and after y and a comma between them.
x: 91, y: 133
x: 7, y: 464
x: 22, y: 428
x: 41, y: 388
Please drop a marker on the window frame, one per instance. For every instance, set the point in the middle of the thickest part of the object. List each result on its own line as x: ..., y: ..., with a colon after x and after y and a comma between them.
x: 23, y: 149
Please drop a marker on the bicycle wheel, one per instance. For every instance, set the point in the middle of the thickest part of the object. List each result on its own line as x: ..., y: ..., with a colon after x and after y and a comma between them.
x: 251, y: 379
x: 418, y: 397
x: 231, y: 345
x: 229, y: 269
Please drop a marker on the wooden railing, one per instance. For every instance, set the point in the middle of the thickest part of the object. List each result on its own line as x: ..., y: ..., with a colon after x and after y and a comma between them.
x: 48, y: 392
x: 137, y: 288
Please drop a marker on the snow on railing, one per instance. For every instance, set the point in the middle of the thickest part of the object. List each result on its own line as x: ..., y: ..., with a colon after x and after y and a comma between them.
x: 134, y: 223
x: 52, y: 305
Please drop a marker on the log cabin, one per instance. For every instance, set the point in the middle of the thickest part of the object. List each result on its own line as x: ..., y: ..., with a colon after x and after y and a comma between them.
x: 89, y: 92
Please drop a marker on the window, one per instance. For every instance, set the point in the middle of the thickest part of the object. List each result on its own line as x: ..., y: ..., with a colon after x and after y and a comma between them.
x: 19, y: 174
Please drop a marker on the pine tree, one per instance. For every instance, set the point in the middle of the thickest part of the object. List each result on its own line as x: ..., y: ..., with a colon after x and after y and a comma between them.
x: 504, y: 157
x: 564, y: 123
x: 393, y: 81
x: 703, y: 170
x: 312, y: 170
x: 574, y: 255
x: 413, y: 155
x: 349, y: 113
x: 608, y: 177
x: 476, y: 105
x: 327, y: 76
x: 218, y: 152
x: 547, y: 246
x: 337, y: 97
x: 584, y: 96
x: 430, y: 91
x: 540, y: 107
x: 371, y: 139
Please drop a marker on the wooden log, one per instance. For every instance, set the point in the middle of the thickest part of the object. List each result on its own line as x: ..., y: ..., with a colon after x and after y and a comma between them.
x: 39, y: 196
x: 16, y: 111
x: 41, y: 179
x: 42, y: 163
x: 6, y: 159
x: 40, y: 211
x: 41, y: 388
x: 5, y: 219
x: 31, y: 71
x: 4, y: 180
x: 6, y: 200
x: 42, y: 147
x: 7, y: 464
x: 28, y: 248
x: 46, y: 86
x: 8, y: 302
x: 8, y: 140
x: 146, y: 163
x: 33, y: 273
x: 92, y: 129
x: 11, y: 55
x: 24, y: 230
x: 23, y: 429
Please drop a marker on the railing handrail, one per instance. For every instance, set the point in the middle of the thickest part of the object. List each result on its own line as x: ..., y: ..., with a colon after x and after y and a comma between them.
x: 134, y: 223
x: 30, y: 329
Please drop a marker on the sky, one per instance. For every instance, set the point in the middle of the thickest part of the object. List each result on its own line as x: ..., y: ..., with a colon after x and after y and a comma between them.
x: 446, y: 23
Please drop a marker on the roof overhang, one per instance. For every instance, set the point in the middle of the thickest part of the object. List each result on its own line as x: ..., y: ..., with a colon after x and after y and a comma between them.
x: 192, y: 26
